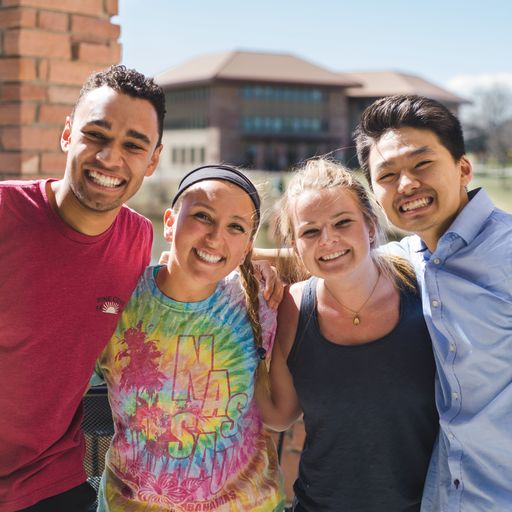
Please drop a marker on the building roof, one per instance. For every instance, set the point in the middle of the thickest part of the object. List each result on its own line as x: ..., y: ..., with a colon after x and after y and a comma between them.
x: 252, y: 66
x: 376, y: 84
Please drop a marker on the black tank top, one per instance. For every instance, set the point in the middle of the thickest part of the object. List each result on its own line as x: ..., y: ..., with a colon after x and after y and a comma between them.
x: 369, y: 414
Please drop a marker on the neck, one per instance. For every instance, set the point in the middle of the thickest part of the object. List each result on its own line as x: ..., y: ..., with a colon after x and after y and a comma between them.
x: 181, y: 289
x: 354, y: 295
x: 75, y: 215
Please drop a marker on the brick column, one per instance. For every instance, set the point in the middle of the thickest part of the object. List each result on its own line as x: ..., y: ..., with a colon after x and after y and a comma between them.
x: 47, y: 49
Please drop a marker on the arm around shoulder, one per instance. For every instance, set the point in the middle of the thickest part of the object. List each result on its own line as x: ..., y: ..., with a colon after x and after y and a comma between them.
x: 280, y: 408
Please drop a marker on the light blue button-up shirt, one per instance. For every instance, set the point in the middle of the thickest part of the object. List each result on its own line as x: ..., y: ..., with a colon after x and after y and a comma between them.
x: 467, y: 302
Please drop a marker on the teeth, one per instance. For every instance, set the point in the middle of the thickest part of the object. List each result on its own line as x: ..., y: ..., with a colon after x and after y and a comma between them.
x: 418, y: 203
x: 209, y: 258
x: 333, y: 256
x: 104, y: 181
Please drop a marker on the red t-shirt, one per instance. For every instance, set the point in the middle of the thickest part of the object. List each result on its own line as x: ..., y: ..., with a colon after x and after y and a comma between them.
x: 61, y: 293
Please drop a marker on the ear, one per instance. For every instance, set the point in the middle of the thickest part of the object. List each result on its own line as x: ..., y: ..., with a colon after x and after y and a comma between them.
x: 169, y: 219
x: 65, y: 138
x: 154, y: 160
x: 372, y: 231
x: 248, y: 249
x: 466, y: 170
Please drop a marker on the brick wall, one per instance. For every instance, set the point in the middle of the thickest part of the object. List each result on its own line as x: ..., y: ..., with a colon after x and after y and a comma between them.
x: 47, y: 49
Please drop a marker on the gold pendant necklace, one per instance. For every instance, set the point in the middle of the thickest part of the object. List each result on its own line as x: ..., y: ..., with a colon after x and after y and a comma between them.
x: 356, y: 320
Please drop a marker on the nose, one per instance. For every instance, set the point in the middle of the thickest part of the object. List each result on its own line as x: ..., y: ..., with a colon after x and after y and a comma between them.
x: 109, y: 156
x: 407, y: 183
x: 214, y: 233
x: 326, y: 236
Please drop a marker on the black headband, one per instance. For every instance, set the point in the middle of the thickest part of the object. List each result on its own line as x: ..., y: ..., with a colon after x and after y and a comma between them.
x: 220, y: 172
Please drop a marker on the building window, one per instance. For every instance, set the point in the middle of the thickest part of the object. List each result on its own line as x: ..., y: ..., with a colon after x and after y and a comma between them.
x: 280, y: 94
x: 283, y: 125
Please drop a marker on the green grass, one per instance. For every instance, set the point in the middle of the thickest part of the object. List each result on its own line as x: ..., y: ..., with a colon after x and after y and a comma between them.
x: 500, y: 190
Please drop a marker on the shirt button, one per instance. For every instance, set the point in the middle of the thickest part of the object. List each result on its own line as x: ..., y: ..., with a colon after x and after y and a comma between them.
x: 437, y: 261
x: 452, y: 347
x: 435, y: 303
x: 455, y: 396
x: 450, y: 435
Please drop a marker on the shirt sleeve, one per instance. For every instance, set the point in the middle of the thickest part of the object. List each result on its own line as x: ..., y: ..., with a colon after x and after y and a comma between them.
x: 268, y: 321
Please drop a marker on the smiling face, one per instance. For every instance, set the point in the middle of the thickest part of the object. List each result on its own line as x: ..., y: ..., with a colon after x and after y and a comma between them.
x: 111, y: 145
x: 331, y: 234
x: 211, y: 234
x: 417, y: 182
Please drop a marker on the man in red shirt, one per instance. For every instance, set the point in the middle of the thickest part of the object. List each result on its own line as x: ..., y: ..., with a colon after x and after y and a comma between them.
x: 70, y: 255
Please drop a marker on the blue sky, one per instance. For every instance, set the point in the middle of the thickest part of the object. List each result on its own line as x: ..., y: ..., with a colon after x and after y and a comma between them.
x: 454, y: 43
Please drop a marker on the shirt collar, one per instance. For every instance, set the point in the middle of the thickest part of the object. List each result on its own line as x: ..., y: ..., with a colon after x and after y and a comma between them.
x: 468, y: 222
x: 471, y: 218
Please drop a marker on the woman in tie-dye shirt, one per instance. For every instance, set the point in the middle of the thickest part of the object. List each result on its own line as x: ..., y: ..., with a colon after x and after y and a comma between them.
x: 181, y: 365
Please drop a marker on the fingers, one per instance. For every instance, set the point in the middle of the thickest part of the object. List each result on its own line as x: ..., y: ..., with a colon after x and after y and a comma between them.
x: 164, y: 258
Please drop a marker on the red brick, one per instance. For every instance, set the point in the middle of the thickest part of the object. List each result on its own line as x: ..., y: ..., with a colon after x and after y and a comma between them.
x: 71, y: 73
x: 54, y: 114
x: 115, y: 49
x: 38, y: 43
x: 112, y: 7
x: 30, y: 137
x: 92, y: 7
x: 62, y: 94
x: 98, y: 53
x: 56, y: 21
x: 53, y: 163
x: 17, y: 18
x: 15, y: 163
x: 42, y: 69
x: 88, y: 29
x: 17, y: 113
x: 12, y: 69
x: 22, y: 91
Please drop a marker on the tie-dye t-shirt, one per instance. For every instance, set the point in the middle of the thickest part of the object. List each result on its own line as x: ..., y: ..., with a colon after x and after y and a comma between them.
x: 181, y: 383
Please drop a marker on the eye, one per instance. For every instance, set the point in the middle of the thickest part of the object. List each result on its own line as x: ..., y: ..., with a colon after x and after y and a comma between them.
x: 386, y: 177
x: 237, y: 227
x: 134, y: 147
x: 422, y: 164
x: 343, y: 222
x: 203, y: 217
x: 309, y: 233
x: 95, y: 135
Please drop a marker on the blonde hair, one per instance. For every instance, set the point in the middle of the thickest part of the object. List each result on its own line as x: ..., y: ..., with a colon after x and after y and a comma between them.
x: 251, y: 290
x: 321, y: 174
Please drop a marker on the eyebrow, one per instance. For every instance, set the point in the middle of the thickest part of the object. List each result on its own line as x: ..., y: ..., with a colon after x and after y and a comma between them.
x: 333, y: 217
x: 208, y: 207
x: 423, y: 150
x: 131, y: 133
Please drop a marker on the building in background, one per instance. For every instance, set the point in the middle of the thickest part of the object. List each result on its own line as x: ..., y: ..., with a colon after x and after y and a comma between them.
x: 268, y: 111
x: 377, y: 84
x: 258, y: 110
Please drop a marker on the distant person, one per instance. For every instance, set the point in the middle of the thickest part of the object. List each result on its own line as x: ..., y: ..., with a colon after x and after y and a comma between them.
x: 412, y: 151
x: 352, y: 354
x: 181, y: 365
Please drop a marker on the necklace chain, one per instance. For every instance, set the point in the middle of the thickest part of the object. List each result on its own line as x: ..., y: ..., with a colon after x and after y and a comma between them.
x: 356, y: 320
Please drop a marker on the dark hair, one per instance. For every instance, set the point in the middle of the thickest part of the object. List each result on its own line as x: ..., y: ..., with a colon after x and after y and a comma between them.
x: 395, y: 112
x: 131, y: 83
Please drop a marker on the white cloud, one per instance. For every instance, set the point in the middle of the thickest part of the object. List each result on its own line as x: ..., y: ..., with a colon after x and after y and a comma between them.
x: 466, y: 85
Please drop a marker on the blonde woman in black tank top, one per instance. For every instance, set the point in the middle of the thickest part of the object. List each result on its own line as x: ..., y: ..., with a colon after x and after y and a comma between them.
x: 352, y: 354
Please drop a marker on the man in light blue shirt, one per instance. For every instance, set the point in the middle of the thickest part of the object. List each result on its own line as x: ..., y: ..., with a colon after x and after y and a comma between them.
x: 412, y: 151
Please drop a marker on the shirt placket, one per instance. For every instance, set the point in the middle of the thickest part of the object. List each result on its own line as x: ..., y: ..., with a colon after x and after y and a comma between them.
x: 445, y: 345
